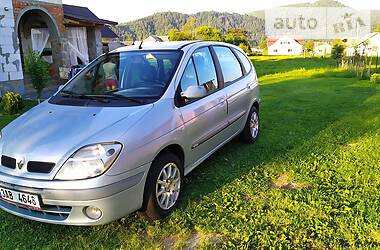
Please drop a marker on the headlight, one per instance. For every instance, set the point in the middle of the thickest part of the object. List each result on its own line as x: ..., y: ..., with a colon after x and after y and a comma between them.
x: 88, y: 162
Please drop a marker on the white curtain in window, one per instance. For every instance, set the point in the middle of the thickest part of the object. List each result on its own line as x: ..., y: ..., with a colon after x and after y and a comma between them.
x: 40, y: 39
x: 78, y: 45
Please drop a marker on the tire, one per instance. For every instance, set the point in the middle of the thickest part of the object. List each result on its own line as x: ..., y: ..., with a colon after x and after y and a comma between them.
x: 153, y: 209
x: 251, y: 131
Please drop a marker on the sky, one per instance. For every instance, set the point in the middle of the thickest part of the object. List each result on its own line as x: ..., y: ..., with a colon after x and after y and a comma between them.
x: 127, y: 10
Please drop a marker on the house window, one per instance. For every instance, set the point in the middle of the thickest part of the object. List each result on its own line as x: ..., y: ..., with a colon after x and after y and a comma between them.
x: 275, y: 50
x: 290, y: 50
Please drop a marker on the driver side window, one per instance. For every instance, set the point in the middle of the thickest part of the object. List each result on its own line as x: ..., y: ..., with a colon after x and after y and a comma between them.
x: 200, y: 71
x: 189, y: 77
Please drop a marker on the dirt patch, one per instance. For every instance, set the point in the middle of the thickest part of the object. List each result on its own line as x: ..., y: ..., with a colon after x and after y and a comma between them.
x: 283, y: 182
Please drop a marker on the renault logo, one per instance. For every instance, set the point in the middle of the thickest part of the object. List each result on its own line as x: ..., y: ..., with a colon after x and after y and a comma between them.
x: 20, y: 164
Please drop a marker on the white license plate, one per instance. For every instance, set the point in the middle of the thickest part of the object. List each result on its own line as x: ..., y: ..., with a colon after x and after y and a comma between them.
x: 19, y: 198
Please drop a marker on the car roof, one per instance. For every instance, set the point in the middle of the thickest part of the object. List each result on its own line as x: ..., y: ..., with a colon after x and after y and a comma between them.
x: 156, y: 46
x: 168, y: 45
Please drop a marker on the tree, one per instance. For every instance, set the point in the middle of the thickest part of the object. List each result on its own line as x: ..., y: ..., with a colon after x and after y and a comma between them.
x: 208, y: 33
x: 187, y: 31
x: 38, y: 70
x: 176, y: 35
x: 337, y: 53
x: 239, y: 38
x: 309, y: 47
x: 246, y: 48
x: 189, y: 26
x: 236, y: 36
x: 338, y: 42
x: 263, y: 44
x: 377, y: 28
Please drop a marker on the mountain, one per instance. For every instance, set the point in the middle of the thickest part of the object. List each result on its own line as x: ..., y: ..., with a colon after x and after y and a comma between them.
x: 319, y: 3
x: 161, y: 23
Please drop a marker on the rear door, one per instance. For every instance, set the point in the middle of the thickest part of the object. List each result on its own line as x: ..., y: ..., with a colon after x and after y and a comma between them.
x: 235, y: 86
x: 206, y: 117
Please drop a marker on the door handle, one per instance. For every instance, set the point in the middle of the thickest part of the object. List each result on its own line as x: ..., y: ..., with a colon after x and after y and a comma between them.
x: 221, y: 101
x: 252, y: 86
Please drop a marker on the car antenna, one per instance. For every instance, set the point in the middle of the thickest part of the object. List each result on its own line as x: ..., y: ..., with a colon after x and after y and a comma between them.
x: 141, y: 43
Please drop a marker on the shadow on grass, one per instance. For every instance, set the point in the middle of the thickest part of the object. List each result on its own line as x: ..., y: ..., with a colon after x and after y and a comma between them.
x: 293, y: 113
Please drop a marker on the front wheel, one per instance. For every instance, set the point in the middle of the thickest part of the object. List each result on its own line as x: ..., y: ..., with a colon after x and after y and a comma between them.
x: 163, y: 187
x: 252, y: 127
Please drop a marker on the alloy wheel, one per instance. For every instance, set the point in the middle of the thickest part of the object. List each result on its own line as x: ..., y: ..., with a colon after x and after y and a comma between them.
x: 168, y: 186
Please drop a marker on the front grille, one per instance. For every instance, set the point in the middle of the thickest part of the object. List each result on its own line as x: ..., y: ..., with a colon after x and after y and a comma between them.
x: 40, y: 167
x: 52, y: 213
x: 8, y: 162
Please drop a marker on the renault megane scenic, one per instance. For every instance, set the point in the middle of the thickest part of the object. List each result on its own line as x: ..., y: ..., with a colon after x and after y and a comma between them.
x: 121, y: 135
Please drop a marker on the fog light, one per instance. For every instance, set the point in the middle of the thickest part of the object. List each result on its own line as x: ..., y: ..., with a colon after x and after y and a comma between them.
x: 93, y: 213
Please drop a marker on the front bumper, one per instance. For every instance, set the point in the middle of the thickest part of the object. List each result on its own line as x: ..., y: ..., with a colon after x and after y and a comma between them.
x: 66, y: 206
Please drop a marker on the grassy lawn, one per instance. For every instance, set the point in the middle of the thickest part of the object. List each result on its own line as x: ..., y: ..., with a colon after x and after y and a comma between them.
x: 311, y: 181
x: 277, y: 64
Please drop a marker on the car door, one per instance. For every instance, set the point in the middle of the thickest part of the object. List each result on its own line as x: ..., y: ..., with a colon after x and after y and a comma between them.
x: 206, y: 117
x: 235, y: 86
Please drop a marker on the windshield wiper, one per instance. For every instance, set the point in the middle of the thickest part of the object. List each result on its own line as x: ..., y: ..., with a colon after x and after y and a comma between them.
x: 118, y: 96
x: 101, y: 97
x: 67, y: 93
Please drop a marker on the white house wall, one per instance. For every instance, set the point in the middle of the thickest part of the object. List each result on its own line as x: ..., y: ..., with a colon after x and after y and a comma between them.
x: 10, y: 60
x: 283, y: 49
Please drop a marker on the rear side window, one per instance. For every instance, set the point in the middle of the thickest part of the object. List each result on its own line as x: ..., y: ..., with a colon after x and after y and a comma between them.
x: 230, y: 65
x: 244, y: 60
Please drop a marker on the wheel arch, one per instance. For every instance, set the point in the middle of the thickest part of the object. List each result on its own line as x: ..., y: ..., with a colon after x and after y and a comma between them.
x: 256, y: 104
x: 175, y: 149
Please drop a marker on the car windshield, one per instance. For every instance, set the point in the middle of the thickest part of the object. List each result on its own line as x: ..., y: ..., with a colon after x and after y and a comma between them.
x: 137, y: 75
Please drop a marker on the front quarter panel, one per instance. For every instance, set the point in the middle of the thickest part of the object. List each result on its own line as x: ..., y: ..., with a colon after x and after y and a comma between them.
x: 161, y: 126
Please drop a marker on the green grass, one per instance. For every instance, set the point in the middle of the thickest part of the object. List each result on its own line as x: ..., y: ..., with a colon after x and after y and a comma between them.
x: 277, y: 64
x: 311, y: 181
x: 5, y: 119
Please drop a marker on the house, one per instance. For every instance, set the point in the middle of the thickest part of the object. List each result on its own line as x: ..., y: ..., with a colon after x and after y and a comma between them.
x: 368, y: 45
x: 322, y: 49
x: 285, y: 46
x: 64, y: 35
x: 108, y: 35
x: 155, y: 39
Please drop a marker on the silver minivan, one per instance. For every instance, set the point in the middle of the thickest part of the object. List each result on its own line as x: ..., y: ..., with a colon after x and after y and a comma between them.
x: 121, y: 135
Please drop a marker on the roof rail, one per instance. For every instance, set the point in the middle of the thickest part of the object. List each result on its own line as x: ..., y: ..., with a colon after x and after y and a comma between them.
x: 189, y: 43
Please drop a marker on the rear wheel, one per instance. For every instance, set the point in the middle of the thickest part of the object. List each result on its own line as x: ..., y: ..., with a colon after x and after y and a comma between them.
x: 163, y: 186
x: 252, y: 127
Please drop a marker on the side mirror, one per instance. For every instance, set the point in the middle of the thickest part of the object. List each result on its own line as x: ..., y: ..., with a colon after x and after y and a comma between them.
x: 194, y: 92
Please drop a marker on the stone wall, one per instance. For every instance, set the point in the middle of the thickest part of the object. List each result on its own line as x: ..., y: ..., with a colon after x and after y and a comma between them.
x: 11, y: 76
x: 55, y: 10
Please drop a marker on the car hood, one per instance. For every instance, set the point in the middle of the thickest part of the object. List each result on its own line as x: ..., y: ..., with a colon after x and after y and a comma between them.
x: 51, y: 133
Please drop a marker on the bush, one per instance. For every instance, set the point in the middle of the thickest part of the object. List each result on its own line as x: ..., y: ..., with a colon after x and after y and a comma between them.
x: 38, y: 71
x: 375, y: 78
x: 11, y: 103
x: 337, y: 53
x: 246, y: 48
